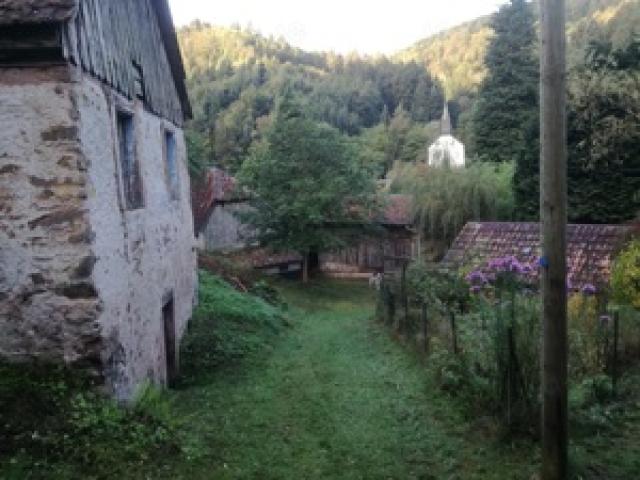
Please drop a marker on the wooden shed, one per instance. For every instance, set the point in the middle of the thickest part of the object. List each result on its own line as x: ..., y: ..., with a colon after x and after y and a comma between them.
x: 396, y: 241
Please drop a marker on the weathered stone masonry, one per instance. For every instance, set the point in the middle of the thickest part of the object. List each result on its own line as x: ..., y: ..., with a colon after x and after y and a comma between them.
x: 49, y: 306
x: 83, y: 278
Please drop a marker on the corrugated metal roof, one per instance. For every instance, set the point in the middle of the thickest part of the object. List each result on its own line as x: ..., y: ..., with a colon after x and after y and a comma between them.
x: 591, y: 248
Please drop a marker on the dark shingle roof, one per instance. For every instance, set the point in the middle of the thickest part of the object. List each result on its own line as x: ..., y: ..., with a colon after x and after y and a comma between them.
x: 591, y: 248
x: 31, y: 12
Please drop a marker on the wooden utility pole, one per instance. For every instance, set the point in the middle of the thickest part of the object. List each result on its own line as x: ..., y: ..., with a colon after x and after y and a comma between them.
x: 553, y: 210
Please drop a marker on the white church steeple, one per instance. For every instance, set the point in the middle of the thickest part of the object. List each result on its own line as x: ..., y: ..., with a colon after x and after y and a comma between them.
x: 446, y: 151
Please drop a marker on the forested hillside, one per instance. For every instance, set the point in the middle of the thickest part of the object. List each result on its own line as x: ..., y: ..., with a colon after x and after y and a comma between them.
x: 236, y: 75
x: 456, y: 56
x: 388, y: 106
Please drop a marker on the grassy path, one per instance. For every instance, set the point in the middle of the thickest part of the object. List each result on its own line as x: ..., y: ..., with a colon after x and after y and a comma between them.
x: 337, y: 399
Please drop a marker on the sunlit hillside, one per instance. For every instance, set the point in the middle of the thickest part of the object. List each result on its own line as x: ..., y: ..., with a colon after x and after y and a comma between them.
x: 456, y: 56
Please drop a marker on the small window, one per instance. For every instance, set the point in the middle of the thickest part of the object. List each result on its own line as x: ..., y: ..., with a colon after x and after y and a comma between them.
x: 171, y: 164
x: 138, y: 81
x: 131, y: 178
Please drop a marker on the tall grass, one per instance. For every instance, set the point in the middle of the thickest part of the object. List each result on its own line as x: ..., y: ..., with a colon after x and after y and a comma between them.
x: 226, y: 326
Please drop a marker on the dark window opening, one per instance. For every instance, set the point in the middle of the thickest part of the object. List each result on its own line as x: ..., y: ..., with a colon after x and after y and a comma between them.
x: 131, y: 177
x: 138, y: 81
x: 171, y: 164
x: 170, y: 351
x: 31, y: 44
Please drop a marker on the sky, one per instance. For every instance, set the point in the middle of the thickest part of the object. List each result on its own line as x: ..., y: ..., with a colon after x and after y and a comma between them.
x: 344, y: 26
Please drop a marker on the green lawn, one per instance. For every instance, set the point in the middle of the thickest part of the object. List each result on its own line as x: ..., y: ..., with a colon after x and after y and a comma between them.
x: 337, y: 399
x: 326, y: 393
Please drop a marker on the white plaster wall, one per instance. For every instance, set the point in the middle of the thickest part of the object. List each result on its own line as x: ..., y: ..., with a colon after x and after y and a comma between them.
x: 141, y: 255
x: 447, y: 146
x: 48, y: 307
x: 224, y: 230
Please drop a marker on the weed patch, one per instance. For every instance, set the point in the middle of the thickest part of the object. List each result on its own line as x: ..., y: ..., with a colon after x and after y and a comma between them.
x: 55, y: 424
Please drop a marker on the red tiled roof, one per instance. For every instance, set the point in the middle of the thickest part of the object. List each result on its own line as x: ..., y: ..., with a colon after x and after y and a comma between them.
x: 217, y: 187
x: 398, y: 210
x: 591, y: 248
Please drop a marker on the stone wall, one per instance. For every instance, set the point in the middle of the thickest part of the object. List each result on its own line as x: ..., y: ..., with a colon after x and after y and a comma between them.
x: 48, y: 304
x: 83, y: 280
x: 142, y: 256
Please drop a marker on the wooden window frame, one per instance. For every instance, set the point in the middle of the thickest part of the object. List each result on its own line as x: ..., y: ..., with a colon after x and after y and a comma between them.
x: 171, y: 168
x: 128, y: 160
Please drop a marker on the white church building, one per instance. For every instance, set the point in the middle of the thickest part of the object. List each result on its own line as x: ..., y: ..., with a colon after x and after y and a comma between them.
x: 446, y: 151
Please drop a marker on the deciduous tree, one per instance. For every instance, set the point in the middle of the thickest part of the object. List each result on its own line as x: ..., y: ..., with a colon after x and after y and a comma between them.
x: 309, y: 192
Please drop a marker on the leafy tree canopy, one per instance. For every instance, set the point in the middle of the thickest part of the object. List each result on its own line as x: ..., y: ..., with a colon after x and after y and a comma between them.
x: 604, y: 135
x: 309, y: 191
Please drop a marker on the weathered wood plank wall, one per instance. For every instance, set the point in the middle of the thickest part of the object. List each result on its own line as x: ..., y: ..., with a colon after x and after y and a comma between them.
x: 113, y: 40
x: 370, y: 255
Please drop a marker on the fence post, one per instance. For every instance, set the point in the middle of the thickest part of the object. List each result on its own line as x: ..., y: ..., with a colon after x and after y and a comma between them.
x: 553, y: 206
x: 614, y: 366
x: 454, y: 333
x: 425, y: 327
x: 405, y: 298
x: 391, y: 307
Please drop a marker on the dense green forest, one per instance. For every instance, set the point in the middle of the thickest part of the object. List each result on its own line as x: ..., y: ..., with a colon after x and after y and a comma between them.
x: 387, y: 108
x: 236, y: 75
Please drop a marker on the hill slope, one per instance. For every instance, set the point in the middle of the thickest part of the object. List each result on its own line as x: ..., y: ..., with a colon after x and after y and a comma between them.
x: 236, y: 75
x: 456, y: 56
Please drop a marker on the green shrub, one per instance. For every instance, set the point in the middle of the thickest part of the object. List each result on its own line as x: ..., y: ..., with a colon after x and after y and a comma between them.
x: 625, y: 277
x: 589, y: 339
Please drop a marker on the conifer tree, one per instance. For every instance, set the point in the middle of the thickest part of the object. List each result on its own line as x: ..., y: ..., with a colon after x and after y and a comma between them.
x: 506, y: 115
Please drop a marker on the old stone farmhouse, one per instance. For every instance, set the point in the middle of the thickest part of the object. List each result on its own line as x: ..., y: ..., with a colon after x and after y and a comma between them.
x: 97, y: 260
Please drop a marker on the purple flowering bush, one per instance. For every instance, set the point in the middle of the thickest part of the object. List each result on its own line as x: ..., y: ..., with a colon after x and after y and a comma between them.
x: 494, y: 313
x: 507, y: 341
x: 504, y: 274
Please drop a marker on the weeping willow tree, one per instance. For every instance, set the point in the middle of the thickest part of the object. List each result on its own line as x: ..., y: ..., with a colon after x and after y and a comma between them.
x: 446, y: 199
